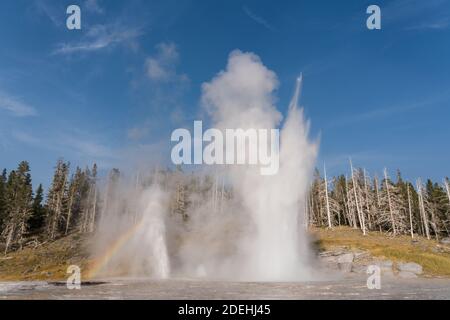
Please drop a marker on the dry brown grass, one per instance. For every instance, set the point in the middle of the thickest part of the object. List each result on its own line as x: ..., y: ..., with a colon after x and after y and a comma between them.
x: 50, y: 261
x: 46, y: 262
x: 434, y: 257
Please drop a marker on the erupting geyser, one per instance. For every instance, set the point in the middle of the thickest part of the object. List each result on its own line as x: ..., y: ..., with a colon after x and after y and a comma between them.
x: 242, y: 97
x: 257, y: 234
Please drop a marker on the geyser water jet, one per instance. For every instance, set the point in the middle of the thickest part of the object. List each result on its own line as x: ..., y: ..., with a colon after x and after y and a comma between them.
x: 242, y: 96
x: 255, y: 231
x: 133, y: 244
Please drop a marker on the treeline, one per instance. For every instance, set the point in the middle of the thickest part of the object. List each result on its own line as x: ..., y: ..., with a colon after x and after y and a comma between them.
x: 73, y: 203
x: 30, y: 216
x: 380, y: 204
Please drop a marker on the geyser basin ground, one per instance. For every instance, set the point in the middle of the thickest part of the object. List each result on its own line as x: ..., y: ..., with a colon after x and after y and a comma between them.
x: 351, y: 287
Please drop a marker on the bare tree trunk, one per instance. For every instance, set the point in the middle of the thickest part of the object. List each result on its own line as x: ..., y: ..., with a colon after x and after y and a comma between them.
x: 410, y: 213
x: 366, y: 190
x: 59, y: 198
x: 377, y: 192
x: 312, y: 217
x: 94, y: 210
x: 447, y: 188
x: 434, y: 224
x: 360, y: 214
x: 345, y: 200
x: 352, y: 216
x: 422, y: 209
x: 326, y: 197
x: 69, y: 213
x: 86, y: 213
x: 9, y: 238
x: 389, y: 201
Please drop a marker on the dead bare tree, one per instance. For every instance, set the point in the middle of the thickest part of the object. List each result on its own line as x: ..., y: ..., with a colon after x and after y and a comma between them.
x: 423, y: 212
x: 357, y: 201
x: 326, y: 196
x: 410, y: 212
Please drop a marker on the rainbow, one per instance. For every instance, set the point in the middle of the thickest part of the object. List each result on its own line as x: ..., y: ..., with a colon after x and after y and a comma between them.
x: 100, y: 262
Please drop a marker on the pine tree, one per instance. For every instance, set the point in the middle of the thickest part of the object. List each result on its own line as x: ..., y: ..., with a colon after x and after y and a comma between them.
x: 88, y: 200
x: 77, y: 199
x: 90, y: 188
x: 55, y: 200
x: 19, y: 197
x: 37, y: 218
x: 437, y: 205
x: 3, y: 179
x: 340, y: 196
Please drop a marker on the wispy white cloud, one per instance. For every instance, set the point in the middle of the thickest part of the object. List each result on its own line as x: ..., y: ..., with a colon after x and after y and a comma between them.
x: 162, y: 66
x: 72, y: 144
x: 87, y: 148
x: 417, y: 14
x: 15, y: 106
x: 93, y: 6
x: 432, y: 25
x: 383, y: 112
x: 101, y: 37
x: 402, y: 9
x: 258, y: 19
x: 26, y: 138
x: 137, y: 133
x: 53, y: 10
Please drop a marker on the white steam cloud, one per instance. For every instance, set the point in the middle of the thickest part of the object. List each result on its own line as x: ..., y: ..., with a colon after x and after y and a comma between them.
x: 240, y: 225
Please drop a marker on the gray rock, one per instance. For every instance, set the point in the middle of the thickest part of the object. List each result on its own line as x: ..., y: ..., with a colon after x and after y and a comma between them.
x: 410, y: 267
x: 345, y: 258
x: 445, y: 241
x: 361, y: 255
x: 358, y: 268
x: 329, y: 260
x: 386, y: 267
x: 345, y: 262
x: 345, y: 266
x: 407, y: 275
x: 385, y: 263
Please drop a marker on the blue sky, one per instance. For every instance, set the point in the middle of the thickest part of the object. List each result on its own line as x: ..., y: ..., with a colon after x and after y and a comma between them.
x: 117, y: 88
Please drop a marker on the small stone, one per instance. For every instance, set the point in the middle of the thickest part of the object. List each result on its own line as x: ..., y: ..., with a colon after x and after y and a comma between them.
x: 410, y: 267
x: 445, y: 241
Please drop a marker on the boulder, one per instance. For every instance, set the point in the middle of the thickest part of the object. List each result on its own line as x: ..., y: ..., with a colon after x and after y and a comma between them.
x: 445, y: 241
x: 345, y: 258
x: 410, y: 267
x: 345, y: 267
x: 386, y: 267
x: 345, y: 262
x: 359, y: 268
x: 361, y: 255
